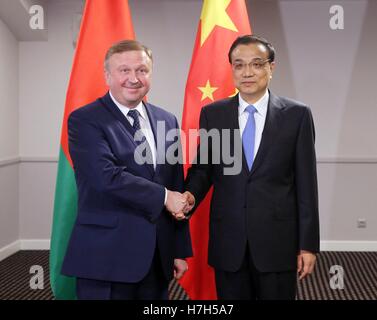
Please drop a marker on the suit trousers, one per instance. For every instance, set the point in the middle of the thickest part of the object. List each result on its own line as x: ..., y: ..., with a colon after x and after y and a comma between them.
x: 248, y: 283
x: 154, y: 286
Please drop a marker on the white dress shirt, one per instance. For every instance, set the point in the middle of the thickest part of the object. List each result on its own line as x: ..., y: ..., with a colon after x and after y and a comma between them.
x: 259, y: 116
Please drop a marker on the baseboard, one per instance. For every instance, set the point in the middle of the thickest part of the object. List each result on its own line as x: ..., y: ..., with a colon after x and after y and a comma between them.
x: 35, y: 244
x: 44, y: 244
x: 348, y: 245
x: 24, y: 244
x: 10, y: 249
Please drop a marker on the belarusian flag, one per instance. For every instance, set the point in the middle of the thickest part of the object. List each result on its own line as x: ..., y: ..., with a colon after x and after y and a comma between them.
x: 104, y: 22
x: 209, y: 79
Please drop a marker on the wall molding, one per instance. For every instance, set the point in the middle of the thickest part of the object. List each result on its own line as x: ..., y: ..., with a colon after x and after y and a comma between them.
x: 38, y: 159
x: 9, y: 161
x: 349, y: 160
x: 330, y: 245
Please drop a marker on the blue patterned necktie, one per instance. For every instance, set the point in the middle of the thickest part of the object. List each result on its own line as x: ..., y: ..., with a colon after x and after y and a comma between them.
x: 248, y: 136
x: 134, y: 114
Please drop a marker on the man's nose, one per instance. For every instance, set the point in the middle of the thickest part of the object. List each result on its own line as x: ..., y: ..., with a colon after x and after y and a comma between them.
x: 132, y: 77
x: 248, y: 70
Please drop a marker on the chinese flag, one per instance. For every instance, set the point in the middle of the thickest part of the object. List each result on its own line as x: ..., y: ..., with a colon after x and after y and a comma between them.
x: 209, y: 79
x: 104, y: 22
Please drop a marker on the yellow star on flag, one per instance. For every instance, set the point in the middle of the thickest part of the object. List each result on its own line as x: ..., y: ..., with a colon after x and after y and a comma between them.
x: 214, y: 14
x: 207, y: 91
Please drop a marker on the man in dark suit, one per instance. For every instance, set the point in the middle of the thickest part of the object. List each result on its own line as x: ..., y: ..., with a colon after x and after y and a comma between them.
x: 125, y: 243
x: 264, y: 224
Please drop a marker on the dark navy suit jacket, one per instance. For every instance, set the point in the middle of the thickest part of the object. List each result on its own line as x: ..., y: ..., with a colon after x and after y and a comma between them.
x: 272, y: 209
x: 121, y: 217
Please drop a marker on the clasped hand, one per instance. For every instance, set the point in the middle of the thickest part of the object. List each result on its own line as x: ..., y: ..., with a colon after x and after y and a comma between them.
x: 179, y: 204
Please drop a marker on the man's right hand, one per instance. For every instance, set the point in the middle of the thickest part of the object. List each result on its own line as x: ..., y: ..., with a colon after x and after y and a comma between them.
x: 175, y: 203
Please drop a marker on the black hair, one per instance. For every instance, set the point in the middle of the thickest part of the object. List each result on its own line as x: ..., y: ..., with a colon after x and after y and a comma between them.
x: 247, y: 39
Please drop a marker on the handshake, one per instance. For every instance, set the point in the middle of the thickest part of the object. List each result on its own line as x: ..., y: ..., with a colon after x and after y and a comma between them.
x: 179, y: 204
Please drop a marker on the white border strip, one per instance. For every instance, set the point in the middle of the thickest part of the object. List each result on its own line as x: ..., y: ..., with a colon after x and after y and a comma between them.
x: 349, y: 246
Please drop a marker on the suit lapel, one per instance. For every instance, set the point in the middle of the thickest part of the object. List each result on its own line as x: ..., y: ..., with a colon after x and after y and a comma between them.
x: 270, y: 131
x: 153, y: 119
x: 233, y: 113
x: 109, y: 104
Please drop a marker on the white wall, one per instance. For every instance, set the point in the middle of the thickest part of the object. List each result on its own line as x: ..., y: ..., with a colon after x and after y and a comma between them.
x: 44, y: 74
x: 346, y: 194
x: 9, y: 230
x: 8, y: 93
x: 332, y: 71
x: 9, y: 208
x: 36, y: 206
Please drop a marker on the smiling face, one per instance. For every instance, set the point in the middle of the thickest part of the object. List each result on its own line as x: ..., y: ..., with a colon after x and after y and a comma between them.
x: 251, y: 70
x: 128, y: 75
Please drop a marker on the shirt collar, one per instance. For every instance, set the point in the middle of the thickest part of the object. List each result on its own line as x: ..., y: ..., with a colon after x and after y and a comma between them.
x: 125, y: 109
x: 260, y: 105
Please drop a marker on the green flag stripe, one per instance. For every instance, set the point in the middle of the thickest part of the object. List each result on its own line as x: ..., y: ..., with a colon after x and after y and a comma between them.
x: 65, y: 210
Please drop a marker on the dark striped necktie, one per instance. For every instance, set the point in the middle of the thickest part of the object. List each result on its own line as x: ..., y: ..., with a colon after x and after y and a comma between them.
x: 147, y: 153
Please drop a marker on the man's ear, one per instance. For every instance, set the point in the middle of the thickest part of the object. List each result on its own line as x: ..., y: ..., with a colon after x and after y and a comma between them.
x: 107, y: 76
x: 272, y: 66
